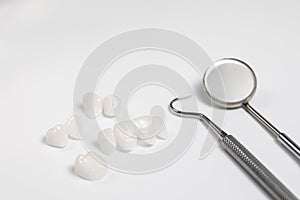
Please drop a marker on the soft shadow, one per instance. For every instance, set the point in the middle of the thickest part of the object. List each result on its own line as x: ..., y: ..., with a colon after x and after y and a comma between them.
x: 80, y: 106
x: 143, y: 144
x: 43, y: 140
x: 96, y: 144
x: 108, y: 117
x: 71, y: 170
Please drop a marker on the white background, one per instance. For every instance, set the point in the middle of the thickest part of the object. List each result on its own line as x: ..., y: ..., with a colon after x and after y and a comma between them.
x: 43, y: 45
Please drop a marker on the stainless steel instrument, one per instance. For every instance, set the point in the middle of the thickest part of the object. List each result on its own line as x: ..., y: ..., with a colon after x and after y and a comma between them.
x: 241, y: 155
x: 231, y: 83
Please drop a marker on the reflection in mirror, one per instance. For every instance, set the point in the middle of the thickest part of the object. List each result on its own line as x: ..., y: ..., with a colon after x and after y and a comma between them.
x: 230, y: 82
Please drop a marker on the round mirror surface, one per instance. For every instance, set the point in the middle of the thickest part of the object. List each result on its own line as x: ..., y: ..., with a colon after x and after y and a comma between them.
x: 230, y: 82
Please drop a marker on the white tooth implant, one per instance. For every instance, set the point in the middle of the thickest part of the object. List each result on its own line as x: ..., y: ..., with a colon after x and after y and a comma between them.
x: 145, y: 134
x: 57, y: 136
x: 71, y: 128
x: 92, y: 105
x: 107, y: 141
x: 110, y: 103
x: 87, y: 167
x: 149, y: 128
x: 124, y: 133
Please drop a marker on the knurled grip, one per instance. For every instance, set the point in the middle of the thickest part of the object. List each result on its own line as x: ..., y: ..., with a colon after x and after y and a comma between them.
x: 256, y: 169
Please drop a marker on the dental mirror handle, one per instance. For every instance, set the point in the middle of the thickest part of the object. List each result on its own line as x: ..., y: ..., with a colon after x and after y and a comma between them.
x: 256, y: 169
x: 287, y: 142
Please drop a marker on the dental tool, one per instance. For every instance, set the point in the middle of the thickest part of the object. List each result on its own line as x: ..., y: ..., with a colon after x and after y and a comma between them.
x: 242, y: 156
x: 231, y: 83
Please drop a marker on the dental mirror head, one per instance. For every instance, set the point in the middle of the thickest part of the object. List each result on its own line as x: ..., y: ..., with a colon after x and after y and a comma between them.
x: 230, y: 83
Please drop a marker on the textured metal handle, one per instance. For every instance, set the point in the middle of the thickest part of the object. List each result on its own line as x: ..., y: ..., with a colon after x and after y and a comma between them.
x: 289, y: 144
x: 256, y: 169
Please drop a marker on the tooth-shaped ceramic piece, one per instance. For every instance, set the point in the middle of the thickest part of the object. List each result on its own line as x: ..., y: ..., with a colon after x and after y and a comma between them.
x: 57, y: 136
x: 107, y: 142
x: 92, y: 105
x: 145, y: 133
x: 110, y: 103
x: 143, y: 122
x: 149, y: 128
x: 87, y: 167
x: 72, y: 129
x: 124, y: 133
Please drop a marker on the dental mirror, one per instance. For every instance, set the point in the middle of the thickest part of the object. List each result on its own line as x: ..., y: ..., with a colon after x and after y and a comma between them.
x: 231, y: 83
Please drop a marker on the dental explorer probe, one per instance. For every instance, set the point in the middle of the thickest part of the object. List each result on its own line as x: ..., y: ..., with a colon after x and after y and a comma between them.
x: 242, y: 156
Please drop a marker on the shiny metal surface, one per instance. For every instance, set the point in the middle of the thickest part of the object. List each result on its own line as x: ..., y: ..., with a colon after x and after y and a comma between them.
x: 242, y: 156
x: 289, y: 144
x: 194, y: 115
x: 226, y: 72
x: 261, y: 119
x: 256, y: 169
x: 230, y: 82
